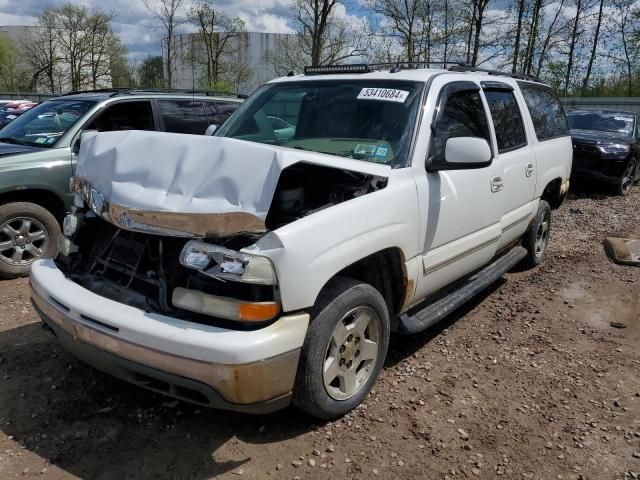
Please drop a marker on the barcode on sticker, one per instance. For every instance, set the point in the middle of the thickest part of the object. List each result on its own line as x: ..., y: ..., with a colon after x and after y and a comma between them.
x: 385, y: 94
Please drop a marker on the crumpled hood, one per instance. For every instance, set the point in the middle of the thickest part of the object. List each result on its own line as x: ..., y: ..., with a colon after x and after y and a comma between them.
x: 191, y: 174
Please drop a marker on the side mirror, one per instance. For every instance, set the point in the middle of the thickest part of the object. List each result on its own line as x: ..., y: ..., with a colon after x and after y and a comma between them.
x: 463, y: 153
x: 75, y: 149
x: 211, y: 129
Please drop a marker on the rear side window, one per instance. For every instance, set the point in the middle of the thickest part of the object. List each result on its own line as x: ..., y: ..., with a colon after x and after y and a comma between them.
x: 507, y: 120
x: 546, y: 111
x: 463, y: 116
x: 183, y: 116
x: 124, y: 116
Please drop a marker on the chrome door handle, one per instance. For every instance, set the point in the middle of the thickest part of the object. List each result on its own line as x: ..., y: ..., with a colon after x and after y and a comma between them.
x: 496, y: 184
x: 529, y: 169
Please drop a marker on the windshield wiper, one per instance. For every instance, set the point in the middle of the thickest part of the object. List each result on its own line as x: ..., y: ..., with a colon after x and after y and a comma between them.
x: 12, y: 141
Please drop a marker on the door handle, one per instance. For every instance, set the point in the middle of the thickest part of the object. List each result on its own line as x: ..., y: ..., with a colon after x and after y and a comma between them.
x: 529, y: 169
x: 496, y: 184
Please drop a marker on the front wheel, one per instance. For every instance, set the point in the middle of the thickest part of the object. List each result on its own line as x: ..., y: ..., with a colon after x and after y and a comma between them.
x: 27, y: 232
x: 344, y: 349
x: 628, y: 179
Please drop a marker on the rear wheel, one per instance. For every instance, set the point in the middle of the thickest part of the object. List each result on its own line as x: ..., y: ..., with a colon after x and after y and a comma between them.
x: 536, y: 238
x: 27, y: 232
x: 628, y: 179
x: 344, y: 349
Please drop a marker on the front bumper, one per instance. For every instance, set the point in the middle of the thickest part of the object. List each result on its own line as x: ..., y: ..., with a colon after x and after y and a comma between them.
x: 250, y: 371
x: 608, y: 170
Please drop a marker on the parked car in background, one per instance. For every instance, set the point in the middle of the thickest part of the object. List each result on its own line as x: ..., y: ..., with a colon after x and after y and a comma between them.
x: 259, y: 268
x: 38, y: 155
x: 12, y: 110
x: 605, y: 147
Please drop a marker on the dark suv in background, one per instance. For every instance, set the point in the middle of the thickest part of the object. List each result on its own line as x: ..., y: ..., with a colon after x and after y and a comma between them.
x: 38, y: 155
x: 605, y: 147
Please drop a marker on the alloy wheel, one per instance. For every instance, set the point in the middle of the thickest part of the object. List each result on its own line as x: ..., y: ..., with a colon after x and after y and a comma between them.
x: 22, y: 241
x: 351, y: 353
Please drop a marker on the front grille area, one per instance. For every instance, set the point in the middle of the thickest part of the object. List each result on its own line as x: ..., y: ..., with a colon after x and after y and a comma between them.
x: 585, y: 156
x: 142, y: 270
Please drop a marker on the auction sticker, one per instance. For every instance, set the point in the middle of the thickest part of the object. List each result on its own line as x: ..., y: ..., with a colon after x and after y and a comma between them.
x: 384, y: 94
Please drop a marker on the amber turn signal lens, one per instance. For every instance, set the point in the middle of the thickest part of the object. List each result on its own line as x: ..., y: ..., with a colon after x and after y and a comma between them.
x: 258, y: 311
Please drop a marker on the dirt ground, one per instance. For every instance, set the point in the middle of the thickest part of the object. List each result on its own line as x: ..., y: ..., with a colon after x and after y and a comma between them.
x: 528, y: 381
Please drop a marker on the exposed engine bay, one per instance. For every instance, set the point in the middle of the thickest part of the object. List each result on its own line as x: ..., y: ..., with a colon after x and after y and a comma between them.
x: 304, y: 189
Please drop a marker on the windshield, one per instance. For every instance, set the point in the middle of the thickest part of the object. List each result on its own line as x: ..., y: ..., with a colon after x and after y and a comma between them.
x: 617, y: 122
x: 44, y: 124
x: 366, y: 120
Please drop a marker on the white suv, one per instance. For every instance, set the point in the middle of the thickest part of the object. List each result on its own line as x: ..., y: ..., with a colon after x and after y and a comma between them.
x: 271, y: 262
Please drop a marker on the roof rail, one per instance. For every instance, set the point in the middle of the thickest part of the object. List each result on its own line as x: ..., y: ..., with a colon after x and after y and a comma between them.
x: 113, y: 91
x: 116, y: 91
x: 461, y: 67
x: 168, y: 91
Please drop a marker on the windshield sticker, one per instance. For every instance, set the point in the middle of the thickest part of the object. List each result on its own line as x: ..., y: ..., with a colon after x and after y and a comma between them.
x: 382, y: 152
x: 365, y: 149
x: 40, y: 140
x: 51, y: 139
x: 624, y: 119
x: 383, y: 94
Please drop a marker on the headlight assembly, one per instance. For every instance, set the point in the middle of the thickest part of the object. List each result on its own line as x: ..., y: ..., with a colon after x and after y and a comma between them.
x: 225, y: 264
x: 614, y: 148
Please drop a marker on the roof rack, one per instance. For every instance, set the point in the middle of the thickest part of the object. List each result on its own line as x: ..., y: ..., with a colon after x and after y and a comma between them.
x: 454, y: 66
x: 116, y: 91
x: 461, y: 67
x: 370, y: 67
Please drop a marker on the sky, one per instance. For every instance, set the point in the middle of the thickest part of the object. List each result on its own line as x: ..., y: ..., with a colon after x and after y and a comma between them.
x: 138, y: 28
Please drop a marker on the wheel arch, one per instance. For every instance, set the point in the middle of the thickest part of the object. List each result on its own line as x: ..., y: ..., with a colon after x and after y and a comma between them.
x: 385, y: 270
x: 553, y: 193
x: 39, y: 196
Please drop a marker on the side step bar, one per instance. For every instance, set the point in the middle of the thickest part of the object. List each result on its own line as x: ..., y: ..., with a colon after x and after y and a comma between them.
x: 438, y: 310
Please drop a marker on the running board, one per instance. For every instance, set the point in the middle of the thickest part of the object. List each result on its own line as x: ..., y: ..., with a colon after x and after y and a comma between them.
x: 437, y: 311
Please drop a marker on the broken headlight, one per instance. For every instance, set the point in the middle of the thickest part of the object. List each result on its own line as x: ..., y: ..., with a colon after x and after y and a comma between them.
x: 225, y: 264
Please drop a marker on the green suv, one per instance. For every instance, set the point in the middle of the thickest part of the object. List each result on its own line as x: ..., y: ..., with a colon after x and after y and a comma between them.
x: 38, y: 155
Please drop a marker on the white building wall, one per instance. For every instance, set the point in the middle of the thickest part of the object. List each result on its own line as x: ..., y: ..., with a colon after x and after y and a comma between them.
x: 251, y: 48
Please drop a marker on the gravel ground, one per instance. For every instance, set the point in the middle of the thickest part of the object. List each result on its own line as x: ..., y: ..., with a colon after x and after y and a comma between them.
x: 528, y: 381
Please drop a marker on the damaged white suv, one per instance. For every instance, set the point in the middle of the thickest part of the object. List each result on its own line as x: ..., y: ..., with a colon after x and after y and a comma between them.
x: 270, y: 263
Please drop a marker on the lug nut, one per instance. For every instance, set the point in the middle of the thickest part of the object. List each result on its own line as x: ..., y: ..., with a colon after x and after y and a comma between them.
x: 357, y: 339
x: 357, y: 353
x: 342, y: 348
x: 349, y: 338
x: 341, y: 363
x: 349, y: 363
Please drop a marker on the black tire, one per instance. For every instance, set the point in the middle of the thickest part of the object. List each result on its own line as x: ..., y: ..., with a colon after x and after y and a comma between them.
x: 628, y: 179
x: 341, y: 297
x: 534, y: 233
x: 28, y: 243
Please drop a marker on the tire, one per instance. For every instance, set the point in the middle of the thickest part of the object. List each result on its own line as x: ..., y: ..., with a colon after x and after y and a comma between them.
x: 536, y: 238
x: 27, y: 232
x: 327, y: 346
x: 627, y: 181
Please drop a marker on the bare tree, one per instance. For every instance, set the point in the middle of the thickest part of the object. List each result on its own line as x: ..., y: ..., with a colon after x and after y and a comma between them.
x: 550, y: 36
x: 71, y: 23
x: 216, y: 32
x: 592, y: 57
x: 324, y: 37
x: 99, y: 37
x: 39, y: 49
x: 167, y: 14
x: 404, y: 16
x: 626, y: 50
x: 518, y: 34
